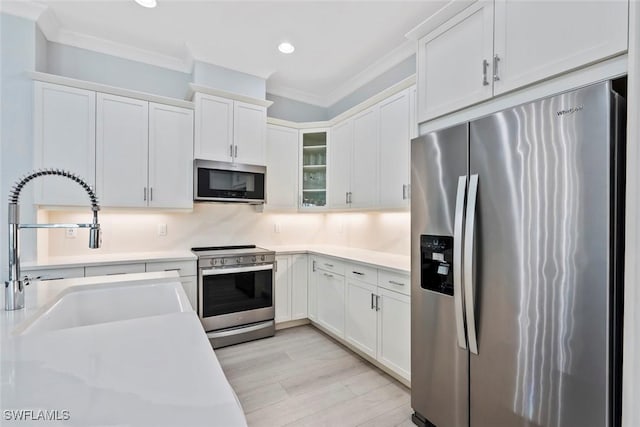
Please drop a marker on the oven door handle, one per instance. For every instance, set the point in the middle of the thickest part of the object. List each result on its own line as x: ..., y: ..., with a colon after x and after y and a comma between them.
x: 218, y: 271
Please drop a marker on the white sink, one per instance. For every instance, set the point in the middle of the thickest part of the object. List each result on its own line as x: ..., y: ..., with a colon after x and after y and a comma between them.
x: 89, y: 305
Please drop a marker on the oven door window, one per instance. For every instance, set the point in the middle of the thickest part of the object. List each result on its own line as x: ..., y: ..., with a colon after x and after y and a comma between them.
x: 232, y: 291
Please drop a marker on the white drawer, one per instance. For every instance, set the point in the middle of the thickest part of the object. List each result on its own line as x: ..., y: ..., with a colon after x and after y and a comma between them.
x: 393, y: 281
x: 363, y: 273
x: 184, y: 268
x: 55, y: 273
x: 329, y: 264
x: 108, y: 270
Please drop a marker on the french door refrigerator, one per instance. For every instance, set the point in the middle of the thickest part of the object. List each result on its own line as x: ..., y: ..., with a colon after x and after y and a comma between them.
x: 516, y: 237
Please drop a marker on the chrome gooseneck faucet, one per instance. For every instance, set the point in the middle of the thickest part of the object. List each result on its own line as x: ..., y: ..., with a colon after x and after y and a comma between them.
x: 14, y: 287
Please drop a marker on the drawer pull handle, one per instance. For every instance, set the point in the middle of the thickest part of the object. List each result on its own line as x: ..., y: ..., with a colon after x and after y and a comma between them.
x: 172, y: 269
x: 393, y: 282
x: 328, y: 275
x: 358, y: 273
x: 328, y: 265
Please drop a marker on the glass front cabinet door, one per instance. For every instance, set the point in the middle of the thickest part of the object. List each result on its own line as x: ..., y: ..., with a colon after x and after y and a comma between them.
x: 313, y: 168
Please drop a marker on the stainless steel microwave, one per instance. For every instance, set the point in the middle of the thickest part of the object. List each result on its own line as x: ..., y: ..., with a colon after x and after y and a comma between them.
x: 228, y: 182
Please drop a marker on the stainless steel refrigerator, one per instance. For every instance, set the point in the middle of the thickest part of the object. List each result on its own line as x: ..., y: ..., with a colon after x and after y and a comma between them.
x: 516, y: 237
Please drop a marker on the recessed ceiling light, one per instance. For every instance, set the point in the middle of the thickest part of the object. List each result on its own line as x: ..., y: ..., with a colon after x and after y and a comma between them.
x: 285, y: 47
x: 147, y: 3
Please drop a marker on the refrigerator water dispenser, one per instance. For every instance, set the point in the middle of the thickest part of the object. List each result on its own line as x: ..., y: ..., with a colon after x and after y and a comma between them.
x: 436, y: 259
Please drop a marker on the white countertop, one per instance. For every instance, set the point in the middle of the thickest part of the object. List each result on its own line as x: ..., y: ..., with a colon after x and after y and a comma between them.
x: 150, y: 371
x: 397, y: 262
x: 105, y: 259
x: 401, y: 263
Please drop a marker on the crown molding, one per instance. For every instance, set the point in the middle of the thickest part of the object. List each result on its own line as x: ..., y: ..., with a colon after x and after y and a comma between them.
x: 393, y: 58
x: 383, y: 64
x: 23, y: 9
x: 96, y: 44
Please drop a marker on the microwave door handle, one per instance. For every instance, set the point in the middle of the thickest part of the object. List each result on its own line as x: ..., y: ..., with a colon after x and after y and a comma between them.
x: 219, y: 271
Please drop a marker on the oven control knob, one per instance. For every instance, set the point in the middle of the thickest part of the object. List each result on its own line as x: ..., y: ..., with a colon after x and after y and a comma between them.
x: 239, y: 260
x: 223, y: 261
x: 213, y: 261
x: 253, y: 259
x: 261, y: 257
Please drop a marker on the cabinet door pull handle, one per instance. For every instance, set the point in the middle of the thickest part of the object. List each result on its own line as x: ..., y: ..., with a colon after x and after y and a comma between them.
x: 393, y: 282
x: 231, y: 150
x: 346, y: 197
x: 151, y: 194
x: 313, y: 265
x: 405, y: 191
x: 485, y: 66
x: 496, y: 59
x: 358, y: 273
x: 144, y: 197
x: 377, y: 302
x: 373, y: 304
x: 235, y: 151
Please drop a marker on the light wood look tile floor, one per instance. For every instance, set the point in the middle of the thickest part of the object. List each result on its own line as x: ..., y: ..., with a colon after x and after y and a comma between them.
x: 301, y: 377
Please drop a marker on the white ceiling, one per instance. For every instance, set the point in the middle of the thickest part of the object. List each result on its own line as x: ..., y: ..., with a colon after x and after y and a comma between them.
x: 336, y: 41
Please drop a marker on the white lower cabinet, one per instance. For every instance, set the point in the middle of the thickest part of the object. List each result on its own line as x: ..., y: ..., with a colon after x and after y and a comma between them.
x: 282, y: 289
x: 290, y: 287
x: 330, y: 301
x: 368, y: 307
x: 361, y: 316
x: 394, y: 331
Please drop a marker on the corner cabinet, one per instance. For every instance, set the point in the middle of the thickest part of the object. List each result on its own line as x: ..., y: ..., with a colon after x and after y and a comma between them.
x: 143, y: 153
x: 228, y: 130
x: 64, y: 138
x: 492, y: 48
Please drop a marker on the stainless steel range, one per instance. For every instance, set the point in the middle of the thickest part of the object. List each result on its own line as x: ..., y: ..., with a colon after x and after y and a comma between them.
x: 235, y: 293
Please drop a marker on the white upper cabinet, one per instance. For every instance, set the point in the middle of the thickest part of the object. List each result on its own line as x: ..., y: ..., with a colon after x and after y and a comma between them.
x: 122, y: 150
x: 249, y: 128
x: 170, y: 156
x: 454, y: 62
x: 495, y: 47
x: 568, y: 34
x: 393, y: 158
x: 213, y: 128
x: 229, y: 131
x: 339, y: 167
x: 64, y: 136
x: 364, y: 160
x: 282, y: 167
x: 144, y: 153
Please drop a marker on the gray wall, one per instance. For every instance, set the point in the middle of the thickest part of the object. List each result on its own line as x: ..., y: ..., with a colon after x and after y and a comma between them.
x: 232, y: 81
x: 17, y: 51
x: 295, y: 111
x: 41, y: 51
x: 394, y: 75
x: 97, y: 67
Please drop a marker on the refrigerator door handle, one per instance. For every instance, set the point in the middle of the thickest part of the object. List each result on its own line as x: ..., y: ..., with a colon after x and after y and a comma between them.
x: 457, y: 261
x: 469, y: 236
